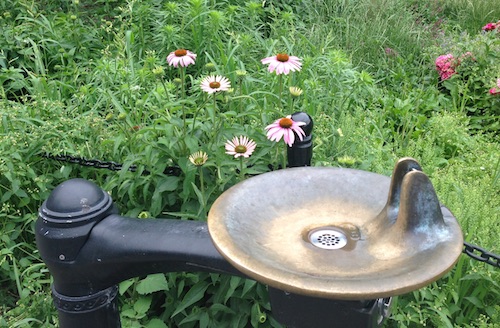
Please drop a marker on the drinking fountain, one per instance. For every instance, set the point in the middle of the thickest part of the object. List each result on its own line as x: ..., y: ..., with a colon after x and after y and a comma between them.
x: 333, y: 245
x: 336, y: 233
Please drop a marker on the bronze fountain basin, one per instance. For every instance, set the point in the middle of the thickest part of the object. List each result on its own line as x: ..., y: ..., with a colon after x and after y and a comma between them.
x: 337, y: 233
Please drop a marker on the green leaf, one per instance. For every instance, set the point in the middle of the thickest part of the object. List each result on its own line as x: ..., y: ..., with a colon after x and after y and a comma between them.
x: 168, y: 183
x: 192, y: 296
x: 472, y: 276
x: 247, y: 286
x: 198, y: 194
x: 129, y: 313
x: 234, y: 282
x: 453, y: 308
x: 156, y: 323
x: 474, y: 300
x: 217, y: 308
x: 124, y: 286
x: 6, y: 196
x: 142, y: 305
x: 204, y: 320
x: 152, y: 283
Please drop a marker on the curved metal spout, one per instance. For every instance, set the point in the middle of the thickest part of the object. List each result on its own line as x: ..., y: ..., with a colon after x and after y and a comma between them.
x: 388, y: 215
x: 420, y: 211
x: 412, y: 221
x: 403, y: 166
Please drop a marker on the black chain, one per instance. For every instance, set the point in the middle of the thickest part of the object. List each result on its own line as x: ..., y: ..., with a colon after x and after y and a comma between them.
x: 482, y: 254
x: 469, y: 249
x: 109, y: 165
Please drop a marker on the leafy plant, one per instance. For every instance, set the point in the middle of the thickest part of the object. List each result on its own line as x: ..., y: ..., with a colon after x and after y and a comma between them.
x: 476, y: 67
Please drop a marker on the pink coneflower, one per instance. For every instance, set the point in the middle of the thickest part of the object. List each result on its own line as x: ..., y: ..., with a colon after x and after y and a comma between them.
x: 496, y: 90
x: 214, y: 83
x: 489, y: 27
x: 181, y: 57
x: 282, y: 63
x: 445, y: 65
x: 241, y: 146
x: 285, y: 127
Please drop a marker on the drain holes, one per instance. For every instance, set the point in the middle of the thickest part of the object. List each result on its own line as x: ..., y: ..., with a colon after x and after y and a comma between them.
x: 328, y: 239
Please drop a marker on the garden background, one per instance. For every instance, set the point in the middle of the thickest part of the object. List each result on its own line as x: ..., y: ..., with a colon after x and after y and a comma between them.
x: 90, y: 79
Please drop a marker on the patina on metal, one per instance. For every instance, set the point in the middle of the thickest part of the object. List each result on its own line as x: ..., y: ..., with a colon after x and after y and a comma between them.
x: 398, y: 238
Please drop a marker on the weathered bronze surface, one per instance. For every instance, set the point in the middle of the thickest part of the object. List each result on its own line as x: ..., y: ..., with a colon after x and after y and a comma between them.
x: 399, y: 238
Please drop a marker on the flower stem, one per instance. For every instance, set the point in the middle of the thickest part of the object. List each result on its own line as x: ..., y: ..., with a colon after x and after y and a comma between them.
x: 183, y: 96
x: 242, y: 175
x: 196, y: 113
x: 284, y: 157
x: 215, y: 107
x: 280, y: 93
x: 241, y: 101
x: 203, y: 201
x: 202, y: 186
x: 165, y: 88
x: 217, y: 128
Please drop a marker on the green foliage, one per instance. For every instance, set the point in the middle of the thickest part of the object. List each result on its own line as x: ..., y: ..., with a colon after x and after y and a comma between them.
x: 195, y: 300
x: 89, y: 79
x: 477, y: 70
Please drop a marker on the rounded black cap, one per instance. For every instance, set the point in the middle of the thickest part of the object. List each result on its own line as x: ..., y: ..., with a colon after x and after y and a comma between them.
x: 76, y: 201
x: 304, y: 117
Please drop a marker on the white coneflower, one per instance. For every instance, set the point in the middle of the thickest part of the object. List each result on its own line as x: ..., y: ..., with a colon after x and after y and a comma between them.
x: 215, y: 83
x: 241, y: 146
x: 198, y: 158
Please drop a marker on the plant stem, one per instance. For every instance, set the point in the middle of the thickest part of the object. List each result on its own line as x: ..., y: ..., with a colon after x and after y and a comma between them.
x: 284, y: 157
x: 241, y: 101
x: 280, y: 91
x: 202, y: 184
x: 242, y: 175
x: 217, y: 128
x: 202, y: 189
x: 215, y: 107
x: 183, y: 96
x: 196, y: 113
x: 165, y: 88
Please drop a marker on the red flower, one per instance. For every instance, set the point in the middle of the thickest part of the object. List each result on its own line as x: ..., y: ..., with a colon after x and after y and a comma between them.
x: 495, y: 90
x: 489, y: 27
x: 445, y: 65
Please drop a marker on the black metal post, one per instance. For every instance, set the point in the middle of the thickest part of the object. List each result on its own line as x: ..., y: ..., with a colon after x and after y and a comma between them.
x: 297, y: 311
x: 99, y: 309
x: 300, y: 154
x: 89, y: 249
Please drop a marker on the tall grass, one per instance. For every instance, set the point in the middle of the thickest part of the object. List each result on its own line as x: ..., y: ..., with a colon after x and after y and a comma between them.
x: 469, y: 14
x: 365, y: 29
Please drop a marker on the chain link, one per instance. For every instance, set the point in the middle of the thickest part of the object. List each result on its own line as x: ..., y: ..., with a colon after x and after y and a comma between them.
x: 482, y: 255
x: 109, y: 165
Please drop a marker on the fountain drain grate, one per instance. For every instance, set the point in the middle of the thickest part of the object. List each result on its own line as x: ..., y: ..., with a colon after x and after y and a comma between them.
x: 328, y: 239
